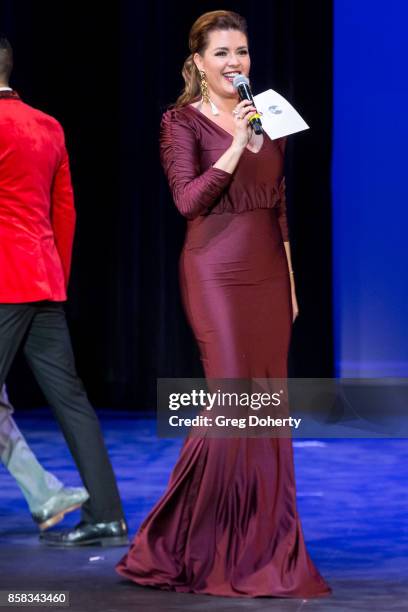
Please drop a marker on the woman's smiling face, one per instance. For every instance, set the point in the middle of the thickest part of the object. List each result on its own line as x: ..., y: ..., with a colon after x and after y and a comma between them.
x: 225, y: 56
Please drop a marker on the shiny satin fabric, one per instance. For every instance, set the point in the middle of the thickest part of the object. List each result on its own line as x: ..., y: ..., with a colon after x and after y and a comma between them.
x: 227, y: 523
x: 37, y: 216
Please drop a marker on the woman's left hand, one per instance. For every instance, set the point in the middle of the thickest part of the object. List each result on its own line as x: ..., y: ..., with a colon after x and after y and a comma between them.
x: 295, y: 307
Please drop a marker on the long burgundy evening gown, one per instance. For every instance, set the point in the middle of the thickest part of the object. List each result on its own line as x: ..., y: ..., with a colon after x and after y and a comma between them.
x: 227, y: 523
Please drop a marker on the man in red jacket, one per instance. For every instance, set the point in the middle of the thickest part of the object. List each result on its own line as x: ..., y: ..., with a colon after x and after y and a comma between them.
x: 37, y: 221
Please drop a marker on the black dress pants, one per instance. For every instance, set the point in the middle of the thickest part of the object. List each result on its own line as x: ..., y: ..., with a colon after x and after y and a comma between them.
x: 41, y: 328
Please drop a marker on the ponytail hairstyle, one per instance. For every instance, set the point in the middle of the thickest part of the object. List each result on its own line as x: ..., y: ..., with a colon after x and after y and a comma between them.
x: 198, y: 41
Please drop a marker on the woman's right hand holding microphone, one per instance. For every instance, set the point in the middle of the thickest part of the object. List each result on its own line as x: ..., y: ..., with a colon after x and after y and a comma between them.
x: 242, y: 135
x: 243, y: 131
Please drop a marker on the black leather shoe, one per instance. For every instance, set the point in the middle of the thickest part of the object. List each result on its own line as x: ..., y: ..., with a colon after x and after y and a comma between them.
x: 89, y: 534
x: 65, y: 500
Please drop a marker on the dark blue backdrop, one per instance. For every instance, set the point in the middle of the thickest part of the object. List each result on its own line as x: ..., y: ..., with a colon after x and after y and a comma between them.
x: 370, y: 188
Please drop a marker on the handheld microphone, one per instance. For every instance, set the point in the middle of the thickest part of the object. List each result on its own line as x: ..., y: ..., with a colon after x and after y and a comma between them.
x: 241, y: 84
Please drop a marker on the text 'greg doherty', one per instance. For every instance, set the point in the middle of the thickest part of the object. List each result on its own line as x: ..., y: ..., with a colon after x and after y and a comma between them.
x: 243, y: 423
x: 208, y: 400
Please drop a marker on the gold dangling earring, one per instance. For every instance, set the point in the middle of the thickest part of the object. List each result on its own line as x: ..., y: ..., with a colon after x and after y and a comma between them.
x: 204, y: 93
x: 204, y: 87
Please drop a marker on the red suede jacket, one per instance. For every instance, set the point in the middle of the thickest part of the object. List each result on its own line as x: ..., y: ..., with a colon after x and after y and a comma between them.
x: 37, y: 214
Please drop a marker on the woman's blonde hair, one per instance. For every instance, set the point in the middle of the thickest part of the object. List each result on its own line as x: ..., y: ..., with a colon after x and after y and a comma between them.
x: 198, y: 41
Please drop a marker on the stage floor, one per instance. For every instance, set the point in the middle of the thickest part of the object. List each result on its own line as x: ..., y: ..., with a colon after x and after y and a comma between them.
x: 352, y: 498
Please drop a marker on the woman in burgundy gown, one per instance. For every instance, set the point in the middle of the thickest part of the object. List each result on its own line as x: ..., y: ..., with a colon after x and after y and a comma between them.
x: 227, y: 523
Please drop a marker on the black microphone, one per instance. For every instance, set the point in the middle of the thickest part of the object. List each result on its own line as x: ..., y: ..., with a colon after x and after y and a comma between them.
x: 241, y: 84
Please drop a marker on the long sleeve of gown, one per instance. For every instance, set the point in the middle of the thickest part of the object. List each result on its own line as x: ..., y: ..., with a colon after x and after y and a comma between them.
x: 194, y: 192
x: 281, y: 206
